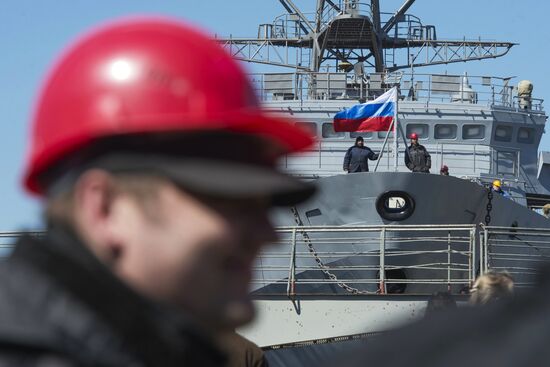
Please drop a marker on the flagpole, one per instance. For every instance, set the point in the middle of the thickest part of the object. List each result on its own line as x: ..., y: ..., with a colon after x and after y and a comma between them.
x: 395, y: 122
x: 384, y: 146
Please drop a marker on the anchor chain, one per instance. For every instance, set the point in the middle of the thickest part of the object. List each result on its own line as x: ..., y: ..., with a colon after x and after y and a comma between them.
x: 319, y: 261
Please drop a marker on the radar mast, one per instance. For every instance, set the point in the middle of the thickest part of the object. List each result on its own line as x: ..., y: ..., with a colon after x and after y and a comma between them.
x: 348, y: 33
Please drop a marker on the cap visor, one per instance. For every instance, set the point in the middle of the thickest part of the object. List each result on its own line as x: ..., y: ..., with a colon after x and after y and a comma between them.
x: 219, y: 178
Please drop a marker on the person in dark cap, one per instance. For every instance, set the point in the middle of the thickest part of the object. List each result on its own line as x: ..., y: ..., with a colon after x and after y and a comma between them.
x: 357, y: 157
x: 151, y: 234
x: 417, y: 158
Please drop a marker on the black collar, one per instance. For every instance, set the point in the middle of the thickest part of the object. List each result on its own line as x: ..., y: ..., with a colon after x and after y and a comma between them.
x: 156, y: 334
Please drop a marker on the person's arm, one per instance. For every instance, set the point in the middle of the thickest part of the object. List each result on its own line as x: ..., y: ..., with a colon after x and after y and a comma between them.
x: 428, y: 159
x: 347, y: 159
x: 408, y: 159
x: 372, y: 155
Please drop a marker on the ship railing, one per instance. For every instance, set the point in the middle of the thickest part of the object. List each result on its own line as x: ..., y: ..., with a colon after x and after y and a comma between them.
x: 464, y: 160
x: 8, y: 239
x: 387, y: 259
x: 373, y: 260
x: 289, y: 26
x: 355, y: 84
x: 409, y: 27
x: 521, y: 252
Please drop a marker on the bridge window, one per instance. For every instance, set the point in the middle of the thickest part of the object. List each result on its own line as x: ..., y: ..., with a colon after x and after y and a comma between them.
x: 365, y: 135
x: 421, y: 129
x: 310, y: 127
x: 506, y: 163
x: 503, y: 133
x: 470, y: 132
x: 526, y: 135
x: 445, y: 131
x: 382, y: 134
x: 328, y: 131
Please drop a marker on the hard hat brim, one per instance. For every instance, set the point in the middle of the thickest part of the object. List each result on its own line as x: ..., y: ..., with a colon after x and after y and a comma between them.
x: 278, y: 130
x: 214, y: 177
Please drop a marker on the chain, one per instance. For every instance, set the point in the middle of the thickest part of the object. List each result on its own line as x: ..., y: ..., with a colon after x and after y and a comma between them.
x: 320, y: 263
x: 489, y: 207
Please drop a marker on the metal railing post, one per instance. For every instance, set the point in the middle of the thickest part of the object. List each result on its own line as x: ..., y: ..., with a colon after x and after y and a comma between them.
x: 328, y: 85
x: 291, y: 284
x: 382, y: 269
x: 429, y: 88
x: 449, y: 261
x: 485, y: 251
x: 472, y: 264
x: 481, y: 252
x: 475, y: 156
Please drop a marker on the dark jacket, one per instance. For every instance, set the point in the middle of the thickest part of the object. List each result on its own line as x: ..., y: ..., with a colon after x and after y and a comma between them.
x: 357, y: 159
x: 417, y: 159
x: 60, y: 307
x: 507, y: 333
x: 242, y: 352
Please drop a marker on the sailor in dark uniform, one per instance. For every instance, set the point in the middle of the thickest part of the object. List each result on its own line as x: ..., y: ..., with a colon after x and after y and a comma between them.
x: 357, y: 157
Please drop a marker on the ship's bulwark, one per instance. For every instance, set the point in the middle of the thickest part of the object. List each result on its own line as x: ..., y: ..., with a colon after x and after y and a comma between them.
x: 350, y: 200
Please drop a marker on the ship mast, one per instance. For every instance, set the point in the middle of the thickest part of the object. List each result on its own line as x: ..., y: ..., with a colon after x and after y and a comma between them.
x: 343, y: 33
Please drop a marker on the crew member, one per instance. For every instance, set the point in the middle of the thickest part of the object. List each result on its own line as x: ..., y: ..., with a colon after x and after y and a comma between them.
x: 417, y: 158
x: 151, y: 236
x: 497, y: 187
x: 491, y: 287
x: 444, y: 171
x: 357, y: 157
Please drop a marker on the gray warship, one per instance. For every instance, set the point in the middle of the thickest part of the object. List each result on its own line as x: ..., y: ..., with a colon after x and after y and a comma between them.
x: 369, y: 249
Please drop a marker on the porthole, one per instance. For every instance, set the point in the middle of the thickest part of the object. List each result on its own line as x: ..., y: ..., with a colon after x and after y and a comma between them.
x: 395, y: 205
x: 393, y: 276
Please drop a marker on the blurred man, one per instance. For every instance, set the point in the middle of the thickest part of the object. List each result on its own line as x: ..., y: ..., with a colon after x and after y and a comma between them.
x: 157, y: 169
x: 417, y: 158
x: 444, y: 171
x: 357, y: 157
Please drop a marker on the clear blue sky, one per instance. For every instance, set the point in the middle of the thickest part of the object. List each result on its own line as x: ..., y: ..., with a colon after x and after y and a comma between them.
x: 32, y: 32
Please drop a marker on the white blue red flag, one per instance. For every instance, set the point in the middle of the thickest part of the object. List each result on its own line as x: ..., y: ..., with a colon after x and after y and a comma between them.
x: 374, y: 115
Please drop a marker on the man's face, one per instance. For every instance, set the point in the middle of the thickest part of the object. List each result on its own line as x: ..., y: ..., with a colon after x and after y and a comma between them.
x: 359, y: 143
x: 496, y: 188
x: 194, y: 253
x: 414, y: 141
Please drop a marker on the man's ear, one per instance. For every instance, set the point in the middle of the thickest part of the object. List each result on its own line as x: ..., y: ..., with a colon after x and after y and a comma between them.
x: 94, y: 198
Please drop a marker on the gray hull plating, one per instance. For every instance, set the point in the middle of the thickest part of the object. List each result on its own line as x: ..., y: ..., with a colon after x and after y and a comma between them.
x: 350, y: 200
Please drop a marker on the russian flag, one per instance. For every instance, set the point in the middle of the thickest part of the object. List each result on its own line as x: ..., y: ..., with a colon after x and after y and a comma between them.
x: 375, y: 115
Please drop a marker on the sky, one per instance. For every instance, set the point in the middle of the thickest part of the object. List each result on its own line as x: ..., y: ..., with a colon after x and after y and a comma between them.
x: 33, y: 32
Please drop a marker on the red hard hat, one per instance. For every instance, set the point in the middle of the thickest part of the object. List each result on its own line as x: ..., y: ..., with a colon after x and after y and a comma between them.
x: 140, y: 76
x: 414, y: 136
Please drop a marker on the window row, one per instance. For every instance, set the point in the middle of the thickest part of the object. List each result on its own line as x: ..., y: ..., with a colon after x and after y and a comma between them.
x: 504, y: 133
x: 441, y: 131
